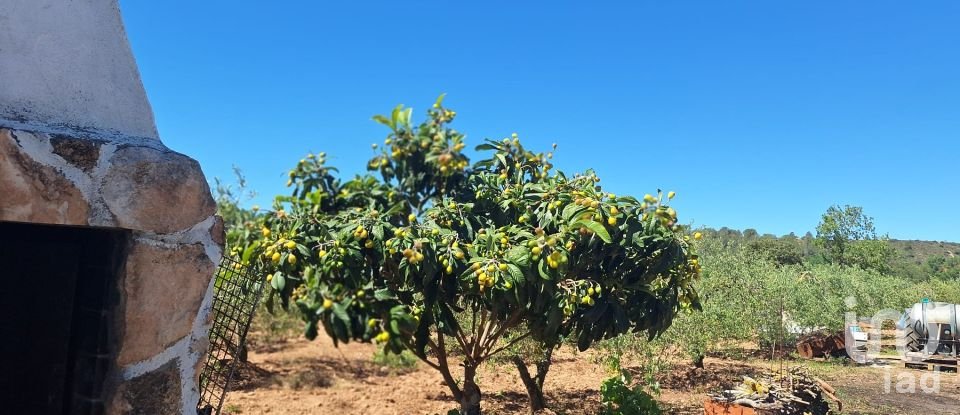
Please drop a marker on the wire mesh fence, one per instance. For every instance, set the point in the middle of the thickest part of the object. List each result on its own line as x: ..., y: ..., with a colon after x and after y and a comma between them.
x: 237, y: 292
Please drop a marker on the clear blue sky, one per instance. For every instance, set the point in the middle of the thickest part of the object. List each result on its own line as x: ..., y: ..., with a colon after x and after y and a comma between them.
x: 759, y: 114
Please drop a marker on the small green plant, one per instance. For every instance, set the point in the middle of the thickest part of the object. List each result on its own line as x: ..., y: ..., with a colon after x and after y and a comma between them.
x: 232, y: 409
x: 653, y: 357
x: 619, y: 398
x: 403, y: 361
x: 620, y: 395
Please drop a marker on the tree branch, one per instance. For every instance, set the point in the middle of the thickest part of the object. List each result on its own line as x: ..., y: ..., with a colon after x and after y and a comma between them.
x: 473, y: 322
x: 543, y: 366
x: 444, y: 368
x: 477, y: 335
x: 484, y: 337
x: 422, y: 358
x: 522, y: 368
x: 511, y: 343
x: 501, y: 329
x: 462, y: 339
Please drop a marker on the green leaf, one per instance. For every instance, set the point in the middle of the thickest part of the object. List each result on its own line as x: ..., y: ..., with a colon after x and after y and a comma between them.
x: 278, y: 282
x: 398, y: 311
x: 543, y: 270
x: 395, y: 115
x: 340, y: 310
x: 384, y: 294
x: 584, y: 340
x: 571, y: 210
x: 448, y: 320
x: 595, y: 227
x: 247, y: 253
x: 340, y: 331
x: 515, y: 274
x: 422, y: 336
x: 382, y: 120
x: 594, y: 314
x: 310, y: 331
x: 406, y: 117
x: 483, y: 164
x: 304, y: 251
x: 503, y: 160
x: 439, y: 101
x: 518, y: 255
x: 554, y: 318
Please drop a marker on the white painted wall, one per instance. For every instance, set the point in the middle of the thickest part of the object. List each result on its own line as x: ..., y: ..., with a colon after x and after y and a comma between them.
x: 67, y: 65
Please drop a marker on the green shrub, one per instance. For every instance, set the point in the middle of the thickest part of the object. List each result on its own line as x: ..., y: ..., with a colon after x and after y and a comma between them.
x: 619, y: 398
x: 402, y: 361
x: 735, y: 302
x: 743, y: 294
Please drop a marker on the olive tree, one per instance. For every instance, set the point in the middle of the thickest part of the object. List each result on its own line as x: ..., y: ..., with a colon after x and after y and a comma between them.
x: 431, y: 252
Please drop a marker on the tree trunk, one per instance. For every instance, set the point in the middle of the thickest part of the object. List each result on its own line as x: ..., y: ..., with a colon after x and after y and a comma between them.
x: 470, y: 399
x: 534, y: 392
x: 534, y: 384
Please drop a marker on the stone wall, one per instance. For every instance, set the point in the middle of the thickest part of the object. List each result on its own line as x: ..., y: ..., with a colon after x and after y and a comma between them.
x: 78, y: 147
x: 166, y: 288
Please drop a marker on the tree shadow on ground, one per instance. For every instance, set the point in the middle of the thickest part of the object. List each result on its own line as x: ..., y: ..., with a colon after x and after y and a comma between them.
x: 585, y: 400
x: 712, y: 377
x: 248, y: 376
x: 264, y: 347
x: 307, y: 372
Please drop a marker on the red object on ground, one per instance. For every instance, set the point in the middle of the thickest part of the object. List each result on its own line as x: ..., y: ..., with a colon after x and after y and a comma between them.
x: 712, y: 407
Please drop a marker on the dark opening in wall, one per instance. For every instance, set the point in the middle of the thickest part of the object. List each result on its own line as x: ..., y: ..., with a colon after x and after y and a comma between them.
x: 58, y: 290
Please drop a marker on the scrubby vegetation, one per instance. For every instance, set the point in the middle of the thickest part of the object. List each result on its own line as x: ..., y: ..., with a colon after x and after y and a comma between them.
x: 743, y: 293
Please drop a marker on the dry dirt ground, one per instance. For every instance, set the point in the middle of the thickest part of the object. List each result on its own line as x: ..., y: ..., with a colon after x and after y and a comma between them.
x: 302, y: 377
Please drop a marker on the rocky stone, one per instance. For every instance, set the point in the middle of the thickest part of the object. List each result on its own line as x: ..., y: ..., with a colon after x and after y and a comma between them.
x: 33, y: 192
x: 164, y: 289
x: 156, y: 190
x: 153, y: 393
x: 80, y: 152
x: 217, y: 232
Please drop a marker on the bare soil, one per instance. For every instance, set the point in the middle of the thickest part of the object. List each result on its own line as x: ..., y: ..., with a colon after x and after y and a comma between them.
x: 304, y: 377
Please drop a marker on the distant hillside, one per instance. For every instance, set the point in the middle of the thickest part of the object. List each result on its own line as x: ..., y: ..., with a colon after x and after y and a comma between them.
x: 917, y: 252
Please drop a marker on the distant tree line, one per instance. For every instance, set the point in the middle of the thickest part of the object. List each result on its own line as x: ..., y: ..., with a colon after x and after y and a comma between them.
x: 845, y: 236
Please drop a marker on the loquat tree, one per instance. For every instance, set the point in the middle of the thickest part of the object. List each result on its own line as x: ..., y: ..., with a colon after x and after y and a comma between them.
x: 458, y: 262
